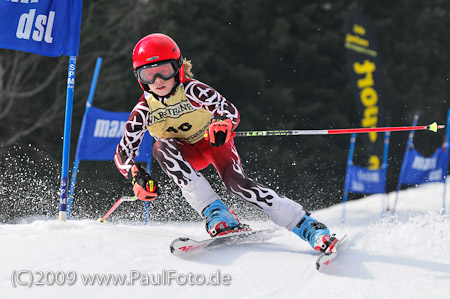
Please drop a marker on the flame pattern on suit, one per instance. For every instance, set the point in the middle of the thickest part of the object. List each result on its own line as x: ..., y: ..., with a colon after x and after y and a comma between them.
x: 182, y: 160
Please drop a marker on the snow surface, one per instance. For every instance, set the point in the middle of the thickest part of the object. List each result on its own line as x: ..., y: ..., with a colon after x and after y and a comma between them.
x: 400, y: 256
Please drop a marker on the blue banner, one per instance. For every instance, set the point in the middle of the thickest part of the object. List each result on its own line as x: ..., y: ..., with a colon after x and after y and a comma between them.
x: 419, y: 169
x: 44, y: 27
x: 366, y: 181
x: 102, y: 133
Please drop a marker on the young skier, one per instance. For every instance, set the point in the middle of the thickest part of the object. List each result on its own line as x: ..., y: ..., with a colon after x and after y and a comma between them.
x: 193, y: 125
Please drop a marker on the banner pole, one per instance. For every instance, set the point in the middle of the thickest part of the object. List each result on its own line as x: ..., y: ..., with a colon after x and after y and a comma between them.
x: 447, y: 140
x: 384, y: 166
x: 409, y: 144
x: 66, y: 139
x: 347, y: 175
x: 80, y: 137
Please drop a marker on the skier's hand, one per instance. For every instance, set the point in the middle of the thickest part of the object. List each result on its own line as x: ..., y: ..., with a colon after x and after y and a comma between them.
x: 144, y: 186
x: 220, y: 132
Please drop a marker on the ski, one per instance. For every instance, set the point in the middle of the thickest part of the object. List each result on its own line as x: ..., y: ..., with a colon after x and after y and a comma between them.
x: 326, y: 258
x: 185, y: 246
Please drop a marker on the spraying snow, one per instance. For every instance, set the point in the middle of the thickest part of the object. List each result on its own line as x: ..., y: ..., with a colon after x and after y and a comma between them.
x: 400, y: 256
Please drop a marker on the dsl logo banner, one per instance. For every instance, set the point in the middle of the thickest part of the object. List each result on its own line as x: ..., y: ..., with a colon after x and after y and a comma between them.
x: 45, y: 27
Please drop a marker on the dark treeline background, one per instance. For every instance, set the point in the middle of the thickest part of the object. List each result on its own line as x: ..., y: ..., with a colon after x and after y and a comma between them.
x: 281, y: 63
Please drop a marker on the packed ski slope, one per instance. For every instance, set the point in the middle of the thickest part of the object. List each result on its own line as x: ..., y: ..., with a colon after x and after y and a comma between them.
x: 405, y: 256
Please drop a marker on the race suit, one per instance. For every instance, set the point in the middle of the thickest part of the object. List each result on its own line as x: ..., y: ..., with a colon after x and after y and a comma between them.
x: 178, y: 123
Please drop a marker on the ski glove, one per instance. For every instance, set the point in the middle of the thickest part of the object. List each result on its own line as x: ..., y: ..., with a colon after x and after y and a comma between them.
x: 143, y: 186
x: 220, y: 132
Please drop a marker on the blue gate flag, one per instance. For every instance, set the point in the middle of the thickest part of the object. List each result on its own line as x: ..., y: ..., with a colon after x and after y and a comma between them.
x: 363, y: 180
x: 420, y: 169
x: 366, y: 181
x: 44, y: 27
x: 102, y: 133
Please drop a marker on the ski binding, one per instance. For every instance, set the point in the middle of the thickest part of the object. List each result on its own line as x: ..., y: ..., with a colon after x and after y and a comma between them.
x: 326, y: 258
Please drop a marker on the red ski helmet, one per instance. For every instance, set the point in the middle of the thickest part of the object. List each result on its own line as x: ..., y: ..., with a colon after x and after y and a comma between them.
x: 155, y: 49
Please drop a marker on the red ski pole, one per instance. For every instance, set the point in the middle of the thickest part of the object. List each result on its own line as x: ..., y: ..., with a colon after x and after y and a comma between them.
x: 123, y: 198
x: 433, y: 127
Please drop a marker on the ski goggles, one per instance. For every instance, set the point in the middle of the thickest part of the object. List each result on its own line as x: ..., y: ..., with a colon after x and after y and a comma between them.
x: 148, y: 73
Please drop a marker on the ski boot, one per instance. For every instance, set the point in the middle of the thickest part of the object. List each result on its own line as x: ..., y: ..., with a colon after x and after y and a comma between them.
x: 316, y: 233
x: 221, y: 221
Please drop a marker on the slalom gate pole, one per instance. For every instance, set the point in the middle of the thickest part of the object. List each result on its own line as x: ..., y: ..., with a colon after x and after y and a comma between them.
x: 433, y: 127
x: 81, y: 136
x: 63, y: 190
x: 122, y: 199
